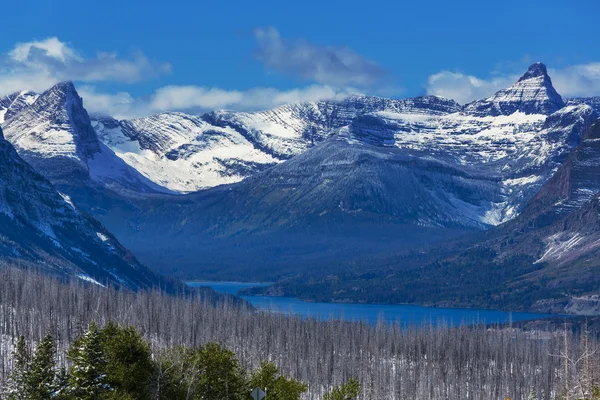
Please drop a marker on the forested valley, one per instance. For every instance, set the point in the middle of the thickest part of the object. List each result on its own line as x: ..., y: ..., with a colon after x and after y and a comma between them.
x: 79, y: 339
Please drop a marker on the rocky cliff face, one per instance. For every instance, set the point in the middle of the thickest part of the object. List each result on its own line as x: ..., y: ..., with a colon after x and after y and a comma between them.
x: 52, y: 132
x: 42, y: 228
x: 532, y: 94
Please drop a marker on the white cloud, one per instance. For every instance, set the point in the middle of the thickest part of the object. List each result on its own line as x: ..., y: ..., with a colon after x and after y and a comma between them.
x: 581, y: 80
x: 465, y: 88
x: 51, y: 47
x: 327, y: 65
x: 112, y: 104
x: 190, y: 97
x: 195, y: 99
x: 37, y: 65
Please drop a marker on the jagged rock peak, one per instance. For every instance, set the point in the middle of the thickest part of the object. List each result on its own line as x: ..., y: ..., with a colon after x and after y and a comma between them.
x: 535, y: 70
x: 65, y: 86
x: 53, y: 133
x: 533, y: 93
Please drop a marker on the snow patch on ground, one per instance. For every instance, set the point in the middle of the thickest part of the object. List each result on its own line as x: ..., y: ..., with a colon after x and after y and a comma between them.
x: 102, y: 236
x: 89, y: 279
x: 559, y: 245
x: 67, y: 199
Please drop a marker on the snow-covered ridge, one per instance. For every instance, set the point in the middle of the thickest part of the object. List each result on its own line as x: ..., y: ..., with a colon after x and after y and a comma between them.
x: 182, y: 153
x: 53, y: 133
x: 187, y: 153
x: 518, y: 136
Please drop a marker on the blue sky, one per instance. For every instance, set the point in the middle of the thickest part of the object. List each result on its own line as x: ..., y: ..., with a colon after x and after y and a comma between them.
x: 132, y: 57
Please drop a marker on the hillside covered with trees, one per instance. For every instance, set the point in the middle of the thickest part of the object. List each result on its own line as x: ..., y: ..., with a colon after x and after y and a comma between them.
x: 179, y: 338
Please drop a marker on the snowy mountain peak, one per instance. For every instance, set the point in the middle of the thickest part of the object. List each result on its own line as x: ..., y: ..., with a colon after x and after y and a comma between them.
x: 53, y: 133
x: 535, y: 70
x: 67, y: 88
x: 533, y: 93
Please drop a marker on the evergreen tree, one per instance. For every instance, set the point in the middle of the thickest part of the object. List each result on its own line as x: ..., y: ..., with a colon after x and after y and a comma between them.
x: 61, y: 385
x: 277, y: 387
x: 532, y: 395
x: 129, y: 363
x: 17, y: 387
x: 87, y: 377
x: 43, y: 370
x: 171, y: 374
x: 348, y: 391
x: 220, y: 374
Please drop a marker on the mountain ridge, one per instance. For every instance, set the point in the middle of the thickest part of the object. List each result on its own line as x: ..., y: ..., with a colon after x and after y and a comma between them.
x: 327, y: 186
x: 43, y: 229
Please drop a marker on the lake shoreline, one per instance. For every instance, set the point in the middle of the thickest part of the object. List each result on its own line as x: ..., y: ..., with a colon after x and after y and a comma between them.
x: 372, y: 313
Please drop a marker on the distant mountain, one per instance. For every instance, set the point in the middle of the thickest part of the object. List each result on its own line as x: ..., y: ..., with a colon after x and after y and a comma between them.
x: 382, y: 176
x: 312, y: 191
x: 182, y: 152
x: 186, y: 153
x: 533, y: 93
x: 52, y: 133
x: 593, y: 102
x: 546, y: 259
x: 13, y: 104
x: 41, y: 228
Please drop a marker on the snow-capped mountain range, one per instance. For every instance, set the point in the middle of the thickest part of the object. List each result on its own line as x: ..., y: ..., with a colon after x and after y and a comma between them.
x: 518, y: 137
x: 182, y: 187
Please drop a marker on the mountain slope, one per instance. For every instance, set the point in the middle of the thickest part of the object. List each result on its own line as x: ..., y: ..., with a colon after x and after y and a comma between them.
x: 52, y: 132
x: 186, y: 153
x: 546, y: 259
x: 182, y: 152
x: 382, y: 182
x: 14, y: 103
x: 41, y: 228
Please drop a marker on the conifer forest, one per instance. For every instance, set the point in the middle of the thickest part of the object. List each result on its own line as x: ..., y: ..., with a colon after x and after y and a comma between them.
x: 76, y: 340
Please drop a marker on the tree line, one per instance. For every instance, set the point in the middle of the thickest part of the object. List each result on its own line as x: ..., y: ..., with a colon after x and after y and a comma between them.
x: 391, y: 361
x: 116, y: 363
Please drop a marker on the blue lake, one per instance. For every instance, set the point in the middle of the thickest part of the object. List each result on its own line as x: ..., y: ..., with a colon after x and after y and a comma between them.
x: 405, y: 314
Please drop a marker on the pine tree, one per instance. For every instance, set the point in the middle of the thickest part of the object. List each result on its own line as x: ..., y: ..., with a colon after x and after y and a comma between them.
x: 43, y: 370
x: 17, y: 384
x: 129, y: 362
x: 87, y: 377
x: 220, y: 374
x: 60, y: 385
x: 348, y: 391
x: 277, y: 387
x: 532, y: 395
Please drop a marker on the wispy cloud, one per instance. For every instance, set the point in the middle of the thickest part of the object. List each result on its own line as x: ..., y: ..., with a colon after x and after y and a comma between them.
x: 195, y: 99
x: 581, y: 80
x: 465, y: 88
x: 327, y: 65
x: 36, y: 65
